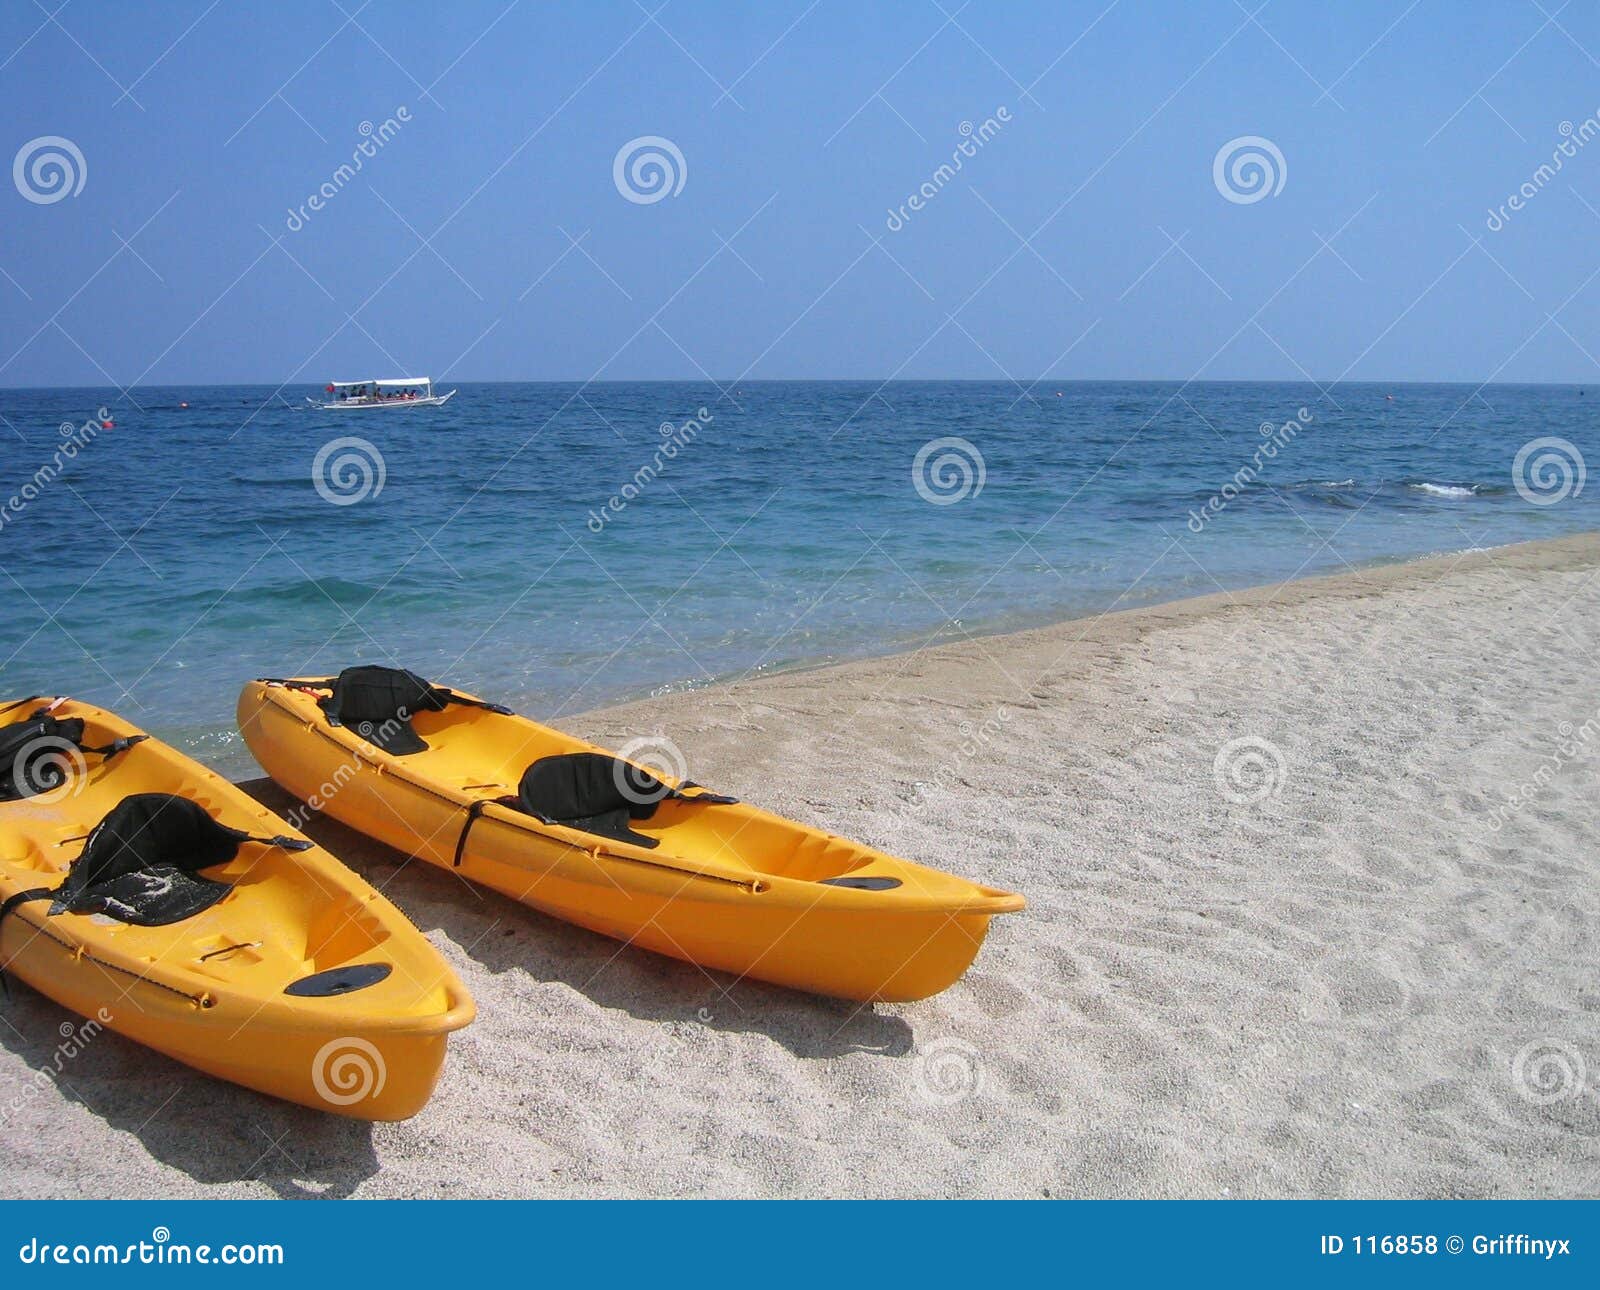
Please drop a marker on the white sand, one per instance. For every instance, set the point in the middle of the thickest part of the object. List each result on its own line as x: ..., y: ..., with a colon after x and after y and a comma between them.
x: 1325, y: 992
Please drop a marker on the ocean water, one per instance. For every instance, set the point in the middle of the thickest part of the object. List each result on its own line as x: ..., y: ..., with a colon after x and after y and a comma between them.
x: 155, y: 566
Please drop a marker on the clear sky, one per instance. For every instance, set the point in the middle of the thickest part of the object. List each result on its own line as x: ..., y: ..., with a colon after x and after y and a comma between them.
x: 1087, y: 236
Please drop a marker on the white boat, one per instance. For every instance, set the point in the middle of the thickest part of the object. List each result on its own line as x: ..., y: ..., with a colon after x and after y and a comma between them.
x: 407, y: 392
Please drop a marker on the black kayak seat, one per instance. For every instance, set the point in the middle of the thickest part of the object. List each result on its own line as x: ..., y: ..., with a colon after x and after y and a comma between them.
x: 600, y: 794
x: 37, y: 754
x: 378, y: 703
x: 141, y: 863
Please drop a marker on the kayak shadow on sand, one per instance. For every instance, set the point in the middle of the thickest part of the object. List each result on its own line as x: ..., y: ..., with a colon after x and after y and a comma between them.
x: 504, y: 936
x: 213, y: 1131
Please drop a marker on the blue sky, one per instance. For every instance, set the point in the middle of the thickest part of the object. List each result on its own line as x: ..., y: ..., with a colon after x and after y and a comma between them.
x: 1085, y: 238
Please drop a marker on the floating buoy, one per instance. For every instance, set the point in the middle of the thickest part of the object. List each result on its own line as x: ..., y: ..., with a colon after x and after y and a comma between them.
x: 183, y: 405
x: 1388, y: 398
x: 108, y: 425
x: 1058, y: 394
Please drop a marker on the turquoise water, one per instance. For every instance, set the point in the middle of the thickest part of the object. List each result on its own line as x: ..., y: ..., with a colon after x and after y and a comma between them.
x: 162, y: 562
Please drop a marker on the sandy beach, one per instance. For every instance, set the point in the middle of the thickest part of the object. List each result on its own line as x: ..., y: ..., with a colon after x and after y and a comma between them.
x: 1313, y: 887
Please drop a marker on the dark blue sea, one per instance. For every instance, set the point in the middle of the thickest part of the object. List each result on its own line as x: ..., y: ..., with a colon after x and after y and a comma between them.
x: 562, y: 546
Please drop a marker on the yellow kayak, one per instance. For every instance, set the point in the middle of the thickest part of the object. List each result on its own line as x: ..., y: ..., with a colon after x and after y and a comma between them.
x: 603, y: 842
x: 143, y: 891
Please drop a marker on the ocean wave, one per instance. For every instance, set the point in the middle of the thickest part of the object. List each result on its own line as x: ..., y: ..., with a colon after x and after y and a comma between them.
x: 1444, y: 490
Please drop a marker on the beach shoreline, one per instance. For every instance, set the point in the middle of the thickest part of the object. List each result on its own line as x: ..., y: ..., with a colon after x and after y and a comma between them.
x: 1275, y: 944
x: 1364, y: 578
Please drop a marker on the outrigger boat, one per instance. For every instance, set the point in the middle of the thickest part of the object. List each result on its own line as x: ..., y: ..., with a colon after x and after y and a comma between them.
x: 406, y: 392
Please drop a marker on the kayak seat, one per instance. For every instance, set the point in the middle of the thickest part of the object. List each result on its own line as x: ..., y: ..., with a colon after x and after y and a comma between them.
x: 378, y: 704
x: 37, y: 754
x: 594, y: 793
x: 141, y: 863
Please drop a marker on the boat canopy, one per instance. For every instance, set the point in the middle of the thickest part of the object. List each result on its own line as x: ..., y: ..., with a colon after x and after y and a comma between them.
x: 409, y: 380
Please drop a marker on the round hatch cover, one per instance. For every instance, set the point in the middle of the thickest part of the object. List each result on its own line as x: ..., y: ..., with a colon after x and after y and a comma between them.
x: 339, y: 980
x: 863, y: 884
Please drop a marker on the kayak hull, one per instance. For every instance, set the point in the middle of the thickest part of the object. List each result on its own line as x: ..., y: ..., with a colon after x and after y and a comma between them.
x: 373, y: 1075
x: 211, y: 990
x: 770, y: 926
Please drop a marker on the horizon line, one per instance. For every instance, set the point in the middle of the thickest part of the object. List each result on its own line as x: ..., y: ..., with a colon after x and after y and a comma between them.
x: 723, y: 386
